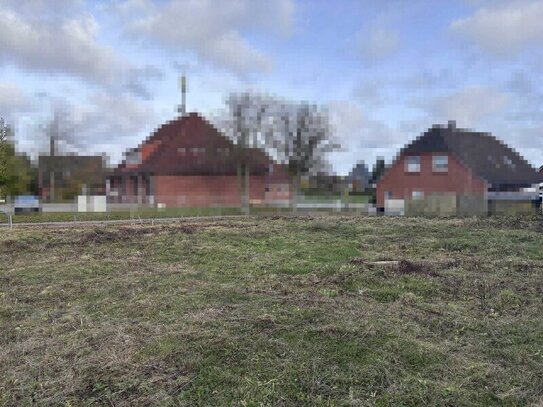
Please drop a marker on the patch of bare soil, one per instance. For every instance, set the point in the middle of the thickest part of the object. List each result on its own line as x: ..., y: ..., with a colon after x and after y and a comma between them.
x: 401, y: 266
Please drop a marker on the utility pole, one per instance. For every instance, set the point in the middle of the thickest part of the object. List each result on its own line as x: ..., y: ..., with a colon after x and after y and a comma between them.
x: 53, y: 132
x: 182, y: 109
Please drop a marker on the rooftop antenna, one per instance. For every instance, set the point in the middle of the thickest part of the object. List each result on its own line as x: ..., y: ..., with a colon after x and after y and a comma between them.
x: 182, y: 109
x: 53, y: 130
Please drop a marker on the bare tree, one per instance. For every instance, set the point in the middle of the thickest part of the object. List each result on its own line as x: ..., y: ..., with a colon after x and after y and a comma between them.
x: 59, y: 129
x: 301, y: 139
x: 245, y: 125
x: 297, y: 134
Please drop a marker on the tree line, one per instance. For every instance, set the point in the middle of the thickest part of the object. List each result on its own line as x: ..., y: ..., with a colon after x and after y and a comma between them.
x: 17, y: 175
x: 296, y: 134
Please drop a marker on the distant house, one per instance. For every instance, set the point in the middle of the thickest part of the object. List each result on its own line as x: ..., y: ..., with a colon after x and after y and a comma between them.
x: 456, y: 161
x: 359, y: 177
x: 63, y: 177
x: 187, y: 162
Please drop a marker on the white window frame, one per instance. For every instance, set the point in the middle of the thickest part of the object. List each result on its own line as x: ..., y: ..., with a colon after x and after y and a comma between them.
x: 442, y: 166
x: 410, y: 166
x: 417, y: 194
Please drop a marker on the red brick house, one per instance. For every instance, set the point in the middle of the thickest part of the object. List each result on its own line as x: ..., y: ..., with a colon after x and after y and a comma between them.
x: 187, y: 162
x: 449, y: 160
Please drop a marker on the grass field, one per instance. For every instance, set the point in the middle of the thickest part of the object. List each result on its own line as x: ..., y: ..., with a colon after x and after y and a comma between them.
x: 274, y: 311
x: 142, y: 213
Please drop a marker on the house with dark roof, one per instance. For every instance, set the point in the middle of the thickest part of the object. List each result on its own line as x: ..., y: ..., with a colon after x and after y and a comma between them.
x: 63, y: 177
x: 187, y: 162
x: 453, y: 161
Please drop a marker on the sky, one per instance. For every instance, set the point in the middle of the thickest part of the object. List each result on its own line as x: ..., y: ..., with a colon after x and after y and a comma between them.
x: 385, y: 70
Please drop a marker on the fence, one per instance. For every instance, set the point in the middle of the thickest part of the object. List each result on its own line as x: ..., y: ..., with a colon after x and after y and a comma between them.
x: 87, y: 209
x: 448, y: 205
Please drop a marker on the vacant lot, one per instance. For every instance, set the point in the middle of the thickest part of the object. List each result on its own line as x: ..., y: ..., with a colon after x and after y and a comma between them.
x: 274, y: 311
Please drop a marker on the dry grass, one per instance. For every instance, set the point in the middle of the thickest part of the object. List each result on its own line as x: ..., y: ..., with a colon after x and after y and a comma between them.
x: 274, y: 311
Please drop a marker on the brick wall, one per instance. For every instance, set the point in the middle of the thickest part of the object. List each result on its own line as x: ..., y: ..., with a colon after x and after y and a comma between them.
x: 458, y: 179
x: 204, y: 191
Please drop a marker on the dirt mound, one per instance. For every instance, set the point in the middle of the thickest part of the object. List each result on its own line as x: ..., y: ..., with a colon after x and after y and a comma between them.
x: 399, y: 266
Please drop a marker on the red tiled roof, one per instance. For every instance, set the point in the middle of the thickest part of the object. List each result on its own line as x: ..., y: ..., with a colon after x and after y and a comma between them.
x: 190, y: 146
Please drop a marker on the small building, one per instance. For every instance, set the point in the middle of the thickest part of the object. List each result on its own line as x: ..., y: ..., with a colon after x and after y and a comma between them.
x: 187, y: 162
x: 462, y: 165
x: 358, y: 179
x: 63, y: 177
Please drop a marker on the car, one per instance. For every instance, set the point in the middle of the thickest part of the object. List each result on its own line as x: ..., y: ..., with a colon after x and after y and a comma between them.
x: 26, y: 203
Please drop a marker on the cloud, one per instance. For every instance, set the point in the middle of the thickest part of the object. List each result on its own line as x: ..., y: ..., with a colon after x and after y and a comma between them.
x: 468, y: 106
x: 111, y: 118
x: 67, y: 46
x: 57, y: 44
x: 13, y: 101
x: 44, y: 7
x: 378, y: 42
x: 103, y: 121
x: 356, y: 129
x: 212, y: 30
x: 371, y: 93
x: 528, y: 94
x: 138, y: 78
x: 503, y: 29
x: 362, y: 138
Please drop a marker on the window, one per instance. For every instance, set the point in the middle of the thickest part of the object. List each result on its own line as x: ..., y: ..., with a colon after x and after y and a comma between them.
x: 181, y: 150
x: 417, y: 195
x: 412, y: 164
x: 197, y: 150
x: 440, y: 163
x: 507, y: 161
x: 133, y: 157
x: 388, y: 195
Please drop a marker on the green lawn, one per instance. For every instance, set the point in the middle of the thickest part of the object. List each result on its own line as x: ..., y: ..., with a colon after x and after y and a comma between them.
x: 274, y: 311
x: 334, y: 198
x: 121, y: 215
x: 158, y: 213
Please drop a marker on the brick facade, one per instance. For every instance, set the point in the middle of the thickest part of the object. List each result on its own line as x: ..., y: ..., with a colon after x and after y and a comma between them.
x: 400, y: 184
x: 203, y: 190
x: 187, y: 162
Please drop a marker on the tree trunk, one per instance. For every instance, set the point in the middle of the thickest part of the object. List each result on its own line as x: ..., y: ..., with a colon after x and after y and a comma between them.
x: 295, y: 191
x: 240, y: 184
x: 247, y: 191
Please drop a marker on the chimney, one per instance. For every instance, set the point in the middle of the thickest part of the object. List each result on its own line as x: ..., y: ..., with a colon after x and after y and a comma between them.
x: 452, y: 124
